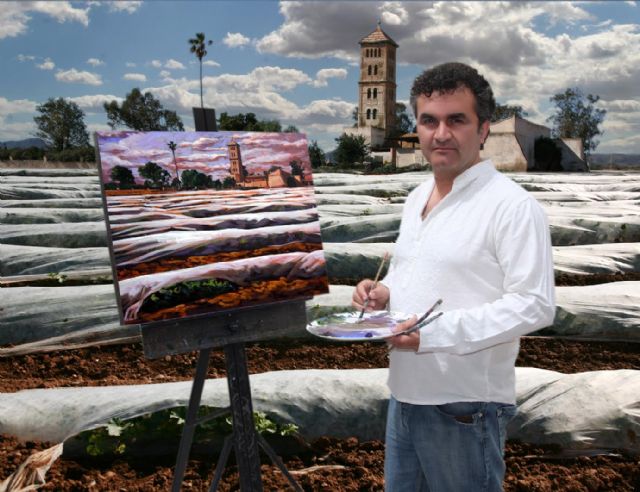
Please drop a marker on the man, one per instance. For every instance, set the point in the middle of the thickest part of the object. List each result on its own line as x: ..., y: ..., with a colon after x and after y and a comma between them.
x: 474, y: 238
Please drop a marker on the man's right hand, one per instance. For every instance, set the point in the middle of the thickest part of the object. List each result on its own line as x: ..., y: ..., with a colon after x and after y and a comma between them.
x: 378, y: 297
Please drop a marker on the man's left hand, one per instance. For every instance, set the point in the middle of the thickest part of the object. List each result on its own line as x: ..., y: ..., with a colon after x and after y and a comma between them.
x: 406, y: 342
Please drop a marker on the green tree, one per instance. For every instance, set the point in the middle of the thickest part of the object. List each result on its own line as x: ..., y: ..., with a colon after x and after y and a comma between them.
x: 142, y: 112
x: 504, y: 111
x: 123, y: 177
x: 577, y: 117
x: 352, y: 149
x: 156, y: 177
x: 291, y: 129
x: 316, y: 155
x: 229, y: 182
x: 247, y: 122
x: 61, y: 124
x: 403, y: 122
x: 192, y: 179
x: 198, y: 45
x: 269, y: 126
x: 354, y: 117
x: 173, y: 146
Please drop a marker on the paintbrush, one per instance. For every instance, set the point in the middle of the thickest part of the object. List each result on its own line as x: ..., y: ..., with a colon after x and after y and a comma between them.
x: 417, y: 326
x: 431, y: 309
x: 374, y: 285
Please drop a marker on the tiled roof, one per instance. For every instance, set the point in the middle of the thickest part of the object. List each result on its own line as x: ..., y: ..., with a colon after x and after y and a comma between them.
x: 378, y: 36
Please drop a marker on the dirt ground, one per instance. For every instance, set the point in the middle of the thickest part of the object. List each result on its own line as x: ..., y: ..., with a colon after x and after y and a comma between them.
x: 330, y: 464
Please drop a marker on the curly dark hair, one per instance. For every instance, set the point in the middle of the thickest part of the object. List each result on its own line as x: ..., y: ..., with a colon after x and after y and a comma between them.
x: 450, y: 76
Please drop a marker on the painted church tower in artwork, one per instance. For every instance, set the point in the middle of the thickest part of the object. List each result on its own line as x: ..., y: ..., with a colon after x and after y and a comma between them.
x: 237, y: 170
x: 377, y: 84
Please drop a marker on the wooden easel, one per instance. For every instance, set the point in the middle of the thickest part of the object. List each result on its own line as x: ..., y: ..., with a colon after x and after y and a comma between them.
x: 229, y: 330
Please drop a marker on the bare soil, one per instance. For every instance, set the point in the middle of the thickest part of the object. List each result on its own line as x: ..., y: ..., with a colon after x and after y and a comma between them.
x: 330, y: 464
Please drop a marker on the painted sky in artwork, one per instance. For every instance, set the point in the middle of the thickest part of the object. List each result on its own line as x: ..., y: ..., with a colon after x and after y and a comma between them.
x: 203, y: 152
x: 298, y: 62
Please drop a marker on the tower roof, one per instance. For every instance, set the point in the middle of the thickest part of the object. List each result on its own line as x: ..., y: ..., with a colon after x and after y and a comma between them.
x: 378, y: 36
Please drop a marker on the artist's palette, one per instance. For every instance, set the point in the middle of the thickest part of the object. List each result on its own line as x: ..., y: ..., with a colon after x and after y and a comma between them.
x: 349, y: 327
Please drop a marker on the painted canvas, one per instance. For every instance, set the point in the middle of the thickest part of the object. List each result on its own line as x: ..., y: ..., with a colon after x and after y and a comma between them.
x: 203, y: 222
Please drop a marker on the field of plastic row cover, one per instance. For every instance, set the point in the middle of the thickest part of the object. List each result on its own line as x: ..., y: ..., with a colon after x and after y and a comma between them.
x: 54, y: 255
x: 58, y: 293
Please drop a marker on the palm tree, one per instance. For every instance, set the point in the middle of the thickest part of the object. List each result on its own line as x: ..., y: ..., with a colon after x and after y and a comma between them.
x: 172, y: 145
x: 198, y: 46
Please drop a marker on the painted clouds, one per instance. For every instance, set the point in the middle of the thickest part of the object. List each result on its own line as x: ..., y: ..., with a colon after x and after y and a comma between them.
x: 203, y: 152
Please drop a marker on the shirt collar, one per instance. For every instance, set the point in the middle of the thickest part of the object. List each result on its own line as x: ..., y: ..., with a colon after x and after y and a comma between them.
x: 481, y: 169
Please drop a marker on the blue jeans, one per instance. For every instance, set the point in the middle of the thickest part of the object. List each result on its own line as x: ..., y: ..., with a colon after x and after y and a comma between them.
x: 456, y: 447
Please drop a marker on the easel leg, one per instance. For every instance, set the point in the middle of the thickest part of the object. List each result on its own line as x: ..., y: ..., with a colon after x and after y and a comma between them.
x: 244, y: 434
x: 191, y: 420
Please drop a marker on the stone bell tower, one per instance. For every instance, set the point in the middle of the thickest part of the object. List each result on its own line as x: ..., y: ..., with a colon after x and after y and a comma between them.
x: 377, y: 85
x: 236, y: 168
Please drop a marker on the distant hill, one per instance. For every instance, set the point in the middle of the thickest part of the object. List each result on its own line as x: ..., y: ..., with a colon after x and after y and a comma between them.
x: 24, y: 143
x: 614, y: 161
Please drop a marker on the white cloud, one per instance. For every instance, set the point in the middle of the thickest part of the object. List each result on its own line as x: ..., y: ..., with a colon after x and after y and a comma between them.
x: 10, y: 127
x: 622, y: 105
x: 210, y: 63
x: 124, y: 6
x: 130, y: 65
x: 393, y: 13
x: 139, y: 77
x: 325, y: 74
x: 172, y: 64
x: 23, y: 58
x: 94, y: 102
x: 47, y: 64
x: 78, y: 76
x: 235, y: 40
x: 8, y: 107
x: 95, y: 62
x: 14, y: 16
x: 165, y: 74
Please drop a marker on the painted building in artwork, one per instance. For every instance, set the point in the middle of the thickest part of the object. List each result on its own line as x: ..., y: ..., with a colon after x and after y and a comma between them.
x: 376, y: 88
x: 273, y: 178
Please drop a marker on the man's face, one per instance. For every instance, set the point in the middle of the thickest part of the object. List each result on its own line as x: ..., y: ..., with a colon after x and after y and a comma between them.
x: 448, y: 130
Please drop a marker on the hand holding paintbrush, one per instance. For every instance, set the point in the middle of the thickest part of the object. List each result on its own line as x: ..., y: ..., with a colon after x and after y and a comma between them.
x: 374, y: 284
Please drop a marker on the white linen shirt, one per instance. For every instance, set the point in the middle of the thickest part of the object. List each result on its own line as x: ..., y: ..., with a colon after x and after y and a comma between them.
x: 485, y: 249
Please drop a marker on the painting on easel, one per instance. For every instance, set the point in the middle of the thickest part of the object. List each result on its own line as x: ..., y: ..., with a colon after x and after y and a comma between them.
x: 203, y: 222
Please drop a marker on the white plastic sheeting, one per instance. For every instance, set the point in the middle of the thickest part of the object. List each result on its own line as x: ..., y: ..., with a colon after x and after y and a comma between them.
x: 582, y: 412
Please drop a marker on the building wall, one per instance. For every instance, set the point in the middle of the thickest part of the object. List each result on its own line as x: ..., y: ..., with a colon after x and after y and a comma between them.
x: 409, y: 157
x: 505, y: 152
x: 373, y: 136
x: 572, y: 155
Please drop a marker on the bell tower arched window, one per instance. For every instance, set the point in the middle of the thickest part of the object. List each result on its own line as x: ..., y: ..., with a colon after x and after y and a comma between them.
x: 369, y: 114
x: 375, y: 114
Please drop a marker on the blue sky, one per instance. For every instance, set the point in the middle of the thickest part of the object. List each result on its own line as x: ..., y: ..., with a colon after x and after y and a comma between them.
x: 298, y: 61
